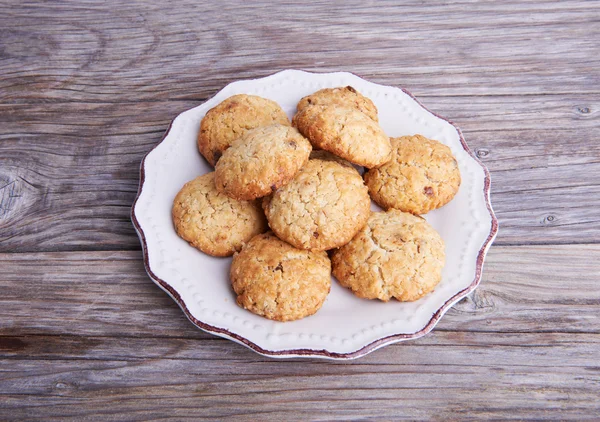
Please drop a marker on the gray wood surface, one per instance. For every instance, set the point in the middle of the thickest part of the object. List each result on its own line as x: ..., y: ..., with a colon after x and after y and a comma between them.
x: 87, y: 88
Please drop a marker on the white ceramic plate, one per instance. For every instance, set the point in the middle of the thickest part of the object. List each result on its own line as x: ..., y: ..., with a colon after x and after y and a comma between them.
x: 345, y: 327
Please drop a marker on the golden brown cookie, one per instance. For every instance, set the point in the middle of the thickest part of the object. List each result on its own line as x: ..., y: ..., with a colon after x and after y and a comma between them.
x: 322, y: 208
x: 396, y: 254
x: 345, y: 132
x: 421, y: 176
x: 345, y: 96
x: 273, y: 279
x: 213, y: 222
x: 233, y: 117
x: 261, y: 161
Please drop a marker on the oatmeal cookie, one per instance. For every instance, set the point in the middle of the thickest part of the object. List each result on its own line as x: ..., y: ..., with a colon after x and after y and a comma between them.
x: 322, y: 208
x: 396, y: 254
x: 346, y: 132
x: 233, y: 117
x: 261, y: 161
x: 347, y: 96
x: 421, y: 176
x: 273, y: 279
x: 213, y: 222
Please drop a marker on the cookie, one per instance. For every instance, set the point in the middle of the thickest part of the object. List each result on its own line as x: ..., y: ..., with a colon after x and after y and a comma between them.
x: 261, y: 161
x: 396, y: 254
x: 421, y: 176
x: 345, y: 132
x: 322, y: 208
x: 273, y: 279
x: 347, y: 96
x: 232, y: 118
x: 213, y: 222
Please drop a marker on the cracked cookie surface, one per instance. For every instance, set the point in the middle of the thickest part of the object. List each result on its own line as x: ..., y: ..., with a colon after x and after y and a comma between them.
x: 213, y: 222
x: 346, y: 132
x: 233, y: 117
x: 396, y: 255
x: 273, y: 279
x: 261, y: 161
x: 347, y: 96
x: 421, y: 176
x: 322, y: 207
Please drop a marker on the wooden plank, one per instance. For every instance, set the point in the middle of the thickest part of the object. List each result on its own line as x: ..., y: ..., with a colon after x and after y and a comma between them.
x: 88, y: 88
x: 445, y: 375
x: 74, y: 168
x: 487, y: 113
x: 109, y: 294
x: 86, y: 51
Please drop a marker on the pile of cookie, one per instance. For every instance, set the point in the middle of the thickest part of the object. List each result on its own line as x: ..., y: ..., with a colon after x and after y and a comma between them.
x: 283, y: 195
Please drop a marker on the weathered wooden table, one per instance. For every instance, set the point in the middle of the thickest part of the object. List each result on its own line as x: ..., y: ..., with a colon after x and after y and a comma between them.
x: 87, y: 88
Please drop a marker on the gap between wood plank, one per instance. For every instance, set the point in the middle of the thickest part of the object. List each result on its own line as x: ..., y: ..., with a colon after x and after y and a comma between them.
x: 201, y: 100
x: 213, y: 337
x: 139, y: 248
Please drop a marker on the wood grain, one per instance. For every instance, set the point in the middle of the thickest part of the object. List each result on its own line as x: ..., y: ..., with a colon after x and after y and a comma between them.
x: 87, y: 88
x: 75, y: 170
x: 72, y: 50
x: 111, y: 338
x: 524, y: 289
x: 458, y: 375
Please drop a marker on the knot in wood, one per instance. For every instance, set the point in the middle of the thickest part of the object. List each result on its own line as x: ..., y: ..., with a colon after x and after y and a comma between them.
x: 482, y: 152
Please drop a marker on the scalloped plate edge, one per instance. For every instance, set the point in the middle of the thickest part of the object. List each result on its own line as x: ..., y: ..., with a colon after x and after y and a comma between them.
x: 323, y: 353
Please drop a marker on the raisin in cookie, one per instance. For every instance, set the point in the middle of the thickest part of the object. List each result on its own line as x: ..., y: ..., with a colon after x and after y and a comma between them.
x: 347, y: 96
x: 233, y: 117
x: 261, y: 161
x: 396, y: 254
x: 213, y: 222
x: 273, y: 279
x: 345, y: 132
x: 421, y: 176
x: 321, y: 208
